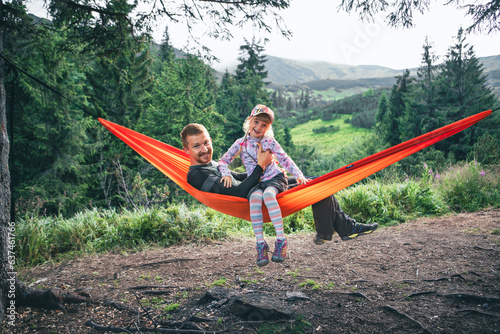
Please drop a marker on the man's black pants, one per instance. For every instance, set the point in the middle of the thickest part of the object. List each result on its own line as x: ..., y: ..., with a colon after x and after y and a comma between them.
x: 330, y: 218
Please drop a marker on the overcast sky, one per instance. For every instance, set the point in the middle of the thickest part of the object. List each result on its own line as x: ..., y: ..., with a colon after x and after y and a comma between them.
x: 322, y: 33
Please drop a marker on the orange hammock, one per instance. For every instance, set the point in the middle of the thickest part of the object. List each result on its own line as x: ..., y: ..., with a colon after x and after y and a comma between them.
x: 174, y: 163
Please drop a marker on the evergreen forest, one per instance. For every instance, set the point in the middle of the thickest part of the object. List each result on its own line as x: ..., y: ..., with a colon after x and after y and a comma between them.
x: 63, y: 161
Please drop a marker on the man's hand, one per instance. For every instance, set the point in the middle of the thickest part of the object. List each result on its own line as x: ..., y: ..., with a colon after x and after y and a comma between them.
x: 264, y: 158
x: 227, y: 180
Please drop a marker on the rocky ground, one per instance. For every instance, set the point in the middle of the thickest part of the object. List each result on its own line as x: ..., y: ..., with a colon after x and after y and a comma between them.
x: 434, y: 275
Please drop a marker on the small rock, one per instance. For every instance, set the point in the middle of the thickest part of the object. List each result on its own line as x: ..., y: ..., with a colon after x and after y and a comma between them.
x: 292, y: 296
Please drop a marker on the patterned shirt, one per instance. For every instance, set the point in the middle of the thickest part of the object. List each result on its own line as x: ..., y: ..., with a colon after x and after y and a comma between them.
x: 249, y: 157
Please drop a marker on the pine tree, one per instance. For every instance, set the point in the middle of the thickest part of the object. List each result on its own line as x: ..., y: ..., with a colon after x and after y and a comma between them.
x: 392, y: 131
x: 164, y: 56
x: 252, y: 62
x: 429, y: 115
x: 383, y: 106
x: 48, y: 133
x: 120, y: 86
x: 185, y: 93
x: 287, y: 139
x: 382, y: 110
x: 422, y: 111
x: 290, y: 105
x: 463, y: 91
x: 227, y: 104
x: 305, y: 99
x: 250, y: 75
x: 238, y: 94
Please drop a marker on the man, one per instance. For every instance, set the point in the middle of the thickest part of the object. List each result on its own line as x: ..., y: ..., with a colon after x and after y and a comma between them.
x: 204, y: 175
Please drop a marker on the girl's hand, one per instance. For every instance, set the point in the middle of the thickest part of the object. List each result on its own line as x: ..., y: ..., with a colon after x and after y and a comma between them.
x: 227, y: 180
x: 302, y: 180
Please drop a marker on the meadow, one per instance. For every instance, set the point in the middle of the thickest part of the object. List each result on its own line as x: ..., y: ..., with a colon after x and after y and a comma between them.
x: 328, y: 142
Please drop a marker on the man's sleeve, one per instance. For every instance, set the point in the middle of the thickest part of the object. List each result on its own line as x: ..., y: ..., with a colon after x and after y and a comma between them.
x: 199, y: 178
x: 239, y: 176
x: 244, y: 187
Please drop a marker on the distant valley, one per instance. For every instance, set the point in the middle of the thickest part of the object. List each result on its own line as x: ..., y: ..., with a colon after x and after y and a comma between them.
x: 316, y: 75
x: 288, y: 71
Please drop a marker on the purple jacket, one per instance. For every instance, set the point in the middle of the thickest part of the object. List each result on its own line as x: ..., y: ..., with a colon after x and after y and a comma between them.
x: 249, y: 156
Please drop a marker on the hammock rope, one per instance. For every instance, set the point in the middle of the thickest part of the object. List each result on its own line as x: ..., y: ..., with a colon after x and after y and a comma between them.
x: 174, y: 163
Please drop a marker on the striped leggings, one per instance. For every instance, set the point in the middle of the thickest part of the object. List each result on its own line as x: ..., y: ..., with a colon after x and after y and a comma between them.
x: 269, y: 198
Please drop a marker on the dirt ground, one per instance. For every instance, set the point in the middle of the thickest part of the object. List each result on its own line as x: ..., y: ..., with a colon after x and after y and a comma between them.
x: 433, y: 275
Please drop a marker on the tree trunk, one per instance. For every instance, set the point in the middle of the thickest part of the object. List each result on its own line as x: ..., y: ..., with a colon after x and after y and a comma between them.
x: 13, y: 293
x: 6, y: 269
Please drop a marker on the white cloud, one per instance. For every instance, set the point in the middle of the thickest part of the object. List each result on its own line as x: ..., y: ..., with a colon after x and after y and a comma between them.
x: 322, y: 33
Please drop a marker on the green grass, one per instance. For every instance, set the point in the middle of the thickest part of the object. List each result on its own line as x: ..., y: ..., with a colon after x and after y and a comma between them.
x: 94, y: 231
x: 390, y: 204
x: 333, y: 94
x: 326, y: 143
x: 464, y: 187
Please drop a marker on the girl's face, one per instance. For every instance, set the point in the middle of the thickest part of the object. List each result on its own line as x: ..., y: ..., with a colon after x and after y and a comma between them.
x: 257, y: 128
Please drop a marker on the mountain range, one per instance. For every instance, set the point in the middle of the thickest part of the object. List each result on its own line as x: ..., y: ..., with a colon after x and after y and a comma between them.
x: 290, y: 72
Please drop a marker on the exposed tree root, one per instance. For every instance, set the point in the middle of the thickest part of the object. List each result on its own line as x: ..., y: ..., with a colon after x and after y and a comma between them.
x: 416, y: 294
x: 51, y: 299
x: 392, y: 309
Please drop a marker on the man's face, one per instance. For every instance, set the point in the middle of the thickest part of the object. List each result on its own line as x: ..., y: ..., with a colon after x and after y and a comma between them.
x: 199, y: 149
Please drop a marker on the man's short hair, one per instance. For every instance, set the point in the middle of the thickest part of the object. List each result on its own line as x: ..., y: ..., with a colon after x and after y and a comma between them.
x: 192, y: 129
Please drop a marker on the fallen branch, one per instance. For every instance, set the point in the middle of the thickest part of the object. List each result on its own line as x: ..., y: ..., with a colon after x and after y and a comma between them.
x: 486, y: 249
x: 360, y: 281
x: 355, y: 294
x: 120, y: 306
x: 144, y: 287
x: 158, y: 262
x: 102, y: 328
x: 473, y: 298
x: 477, y: 312
x: 179, y: 325
x: 392, y: 309
x: 146, y: 311
x: 156, y: 292
x: 436, y: 279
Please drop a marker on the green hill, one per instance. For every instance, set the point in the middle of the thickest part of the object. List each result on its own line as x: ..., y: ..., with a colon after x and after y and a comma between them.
x: 327, y: 142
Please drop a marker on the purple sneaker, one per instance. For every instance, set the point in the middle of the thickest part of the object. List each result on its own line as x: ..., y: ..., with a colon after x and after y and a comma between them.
x: 280, y: 248
x: 262, y: 258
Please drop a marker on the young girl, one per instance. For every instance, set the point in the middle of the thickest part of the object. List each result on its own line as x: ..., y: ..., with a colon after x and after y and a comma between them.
x: 258, y: 132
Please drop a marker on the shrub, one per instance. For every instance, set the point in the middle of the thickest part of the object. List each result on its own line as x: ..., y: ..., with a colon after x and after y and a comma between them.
x: 325, y: 129
x: 365, y: 119
x: 469, y: 187
x: 389, y: 204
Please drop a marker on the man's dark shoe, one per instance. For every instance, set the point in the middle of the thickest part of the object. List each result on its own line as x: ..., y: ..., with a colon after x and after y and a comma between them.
x: 360, y: 229
x: 318, y: 241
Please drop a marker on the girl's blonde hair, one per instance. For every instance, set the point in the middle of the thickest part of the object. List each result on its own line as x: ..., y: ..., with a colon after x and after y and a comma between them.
x: 263, y: 118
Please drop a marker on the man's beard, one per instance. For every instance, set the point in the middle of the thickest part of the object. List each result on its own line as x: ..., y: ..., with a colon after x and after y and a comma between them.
x: 205, y: 157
